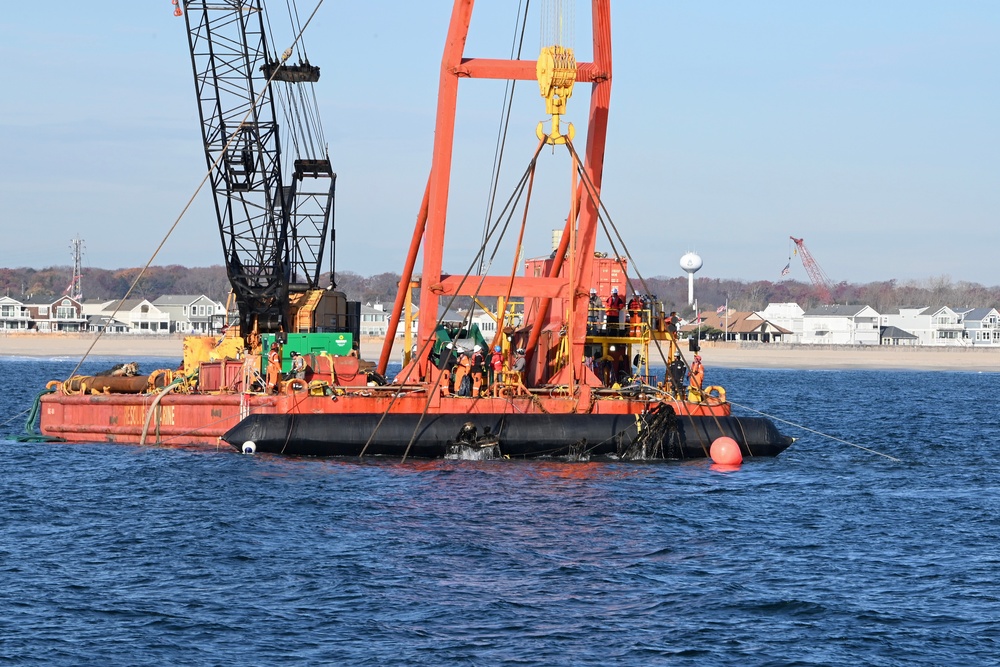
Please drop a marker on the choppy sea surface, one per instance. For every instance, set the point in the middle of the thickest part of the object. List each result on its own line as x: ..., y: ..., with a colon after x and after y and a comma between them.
x: 827, y: 555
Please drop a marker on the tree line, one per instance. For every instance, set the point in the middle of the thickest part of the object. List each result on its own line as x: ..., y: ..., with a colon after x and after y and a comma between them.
x: 49, y: 283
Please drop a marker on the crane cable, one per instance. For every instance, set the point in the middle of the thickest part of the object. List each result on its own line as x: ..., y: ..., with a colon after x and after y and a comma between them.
x: 504, y: 125
x: 509, y: 206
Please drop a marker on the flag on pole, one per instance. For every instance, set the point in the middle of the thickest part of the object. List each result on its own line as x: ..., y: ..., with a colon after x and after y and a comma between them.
x: 788, y: 268
x: 720, y: 310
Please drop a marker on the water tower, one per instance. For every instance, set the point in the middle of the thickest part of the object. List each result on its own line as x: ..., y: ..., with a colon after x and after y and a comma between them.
x: 691, y: 262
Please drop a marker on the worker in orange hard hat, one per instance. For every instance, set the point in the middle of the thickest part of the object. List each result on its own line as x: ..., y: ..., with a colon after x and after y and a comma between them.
x: 274, y: 367
x: 635, y: 307
x: 614, y: 304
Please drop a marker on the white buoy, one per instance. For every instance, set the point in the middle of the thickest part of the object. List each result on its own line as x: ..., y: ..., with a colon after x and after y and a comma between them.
x: 249, y: 447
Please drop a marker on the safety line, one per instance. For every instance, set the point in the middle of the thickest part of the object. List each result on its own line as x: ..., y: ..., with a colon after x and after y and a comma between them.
x: 811, y: 430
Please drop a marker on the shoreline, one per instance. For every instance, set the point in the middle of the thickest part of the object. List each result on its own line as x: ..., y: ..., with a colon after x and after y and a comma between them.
x: 722, y: 355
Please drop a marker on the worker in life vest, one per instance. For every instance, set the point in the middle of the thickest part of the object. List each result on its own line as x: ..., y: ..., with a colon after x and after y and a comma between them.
x: 696, y: 375
x: 635, y: 306
x: 298, y: 371
x: 446, y: 359
x: 672, y: 321
x: 520, y: 364
x: 478, y: 366
x: 594, y: 308
x: 274, y: 367
x: 496, y: 365
x: 614, y: 304
x: 463, y: 383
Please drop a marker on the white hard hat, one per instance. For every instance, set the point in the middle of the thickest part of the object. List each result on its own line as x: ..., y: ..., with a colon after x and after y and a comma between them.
x: 478, y: 348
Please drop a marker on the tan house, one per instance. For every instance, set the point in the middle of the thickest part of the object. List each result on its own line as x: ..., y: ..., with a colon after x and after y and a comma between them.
x: 738, y: 326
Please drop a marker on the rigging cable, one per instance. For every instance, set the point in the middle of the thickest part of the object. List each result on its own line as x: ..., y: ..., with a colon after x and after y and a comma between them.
x: 820, y: 433
x: 509, y: 206
x: 504, y: 124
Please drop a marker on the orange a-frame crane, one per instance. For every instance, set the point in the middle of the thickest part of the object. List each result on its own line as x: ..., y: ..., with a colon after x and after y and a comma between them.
x: 572, y: 287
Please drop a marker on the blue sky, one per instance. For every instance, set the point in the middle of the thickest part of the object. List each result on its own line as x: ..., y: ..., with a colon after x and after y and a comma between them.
x: 871, y: 129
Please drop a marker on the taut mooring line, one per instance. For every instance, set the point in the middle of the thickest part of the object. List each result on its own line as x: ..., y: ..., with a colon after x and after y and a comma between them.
x: 825, y: 435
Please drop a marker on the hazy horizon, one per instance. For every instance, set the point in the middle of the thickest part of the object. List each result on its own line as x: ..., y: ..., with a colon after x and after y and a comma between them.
x: 869, y: 130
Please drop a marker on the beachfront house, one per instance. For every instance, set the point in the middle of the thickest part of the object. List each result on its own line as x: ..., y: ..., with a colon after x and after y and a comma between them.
x: 139, y: 316
x: 192, y: 313
x: 980, y: 325
x: 14, y: 315
x: 375, y: 321
x: 934, y: 325
x: 895, y: 336
x: 787, y: 316
x: 736, y: 325
x: 65, y: 314
x: 840, y: 325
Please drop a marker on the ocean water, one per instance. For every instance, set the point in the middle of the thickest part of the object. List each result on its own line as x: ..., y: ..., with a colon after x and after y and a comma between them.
x: 827, y: 555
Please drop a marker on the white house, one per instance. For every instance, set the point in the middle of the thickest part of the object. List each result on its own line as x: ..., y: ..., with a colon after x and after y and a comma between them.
x: 14, y: 315
x: 840, y: 325
x: 931, y: 325
x: 787, y: 316
x: 980, y: 325
x: 375, y: 321
x: 140, y: 315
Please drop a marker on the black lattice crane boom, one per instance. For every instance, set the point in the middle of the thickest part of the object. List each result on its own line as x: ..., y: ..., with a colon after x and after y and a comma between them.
x: 275, y: 223
x: 821, y: 282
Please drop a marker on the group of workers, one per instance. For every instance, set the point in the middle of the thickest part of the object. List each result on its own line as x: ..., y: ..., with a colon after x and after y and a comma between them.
x: 463, y: 372
x: 274, y: 376
x: 618, y: 317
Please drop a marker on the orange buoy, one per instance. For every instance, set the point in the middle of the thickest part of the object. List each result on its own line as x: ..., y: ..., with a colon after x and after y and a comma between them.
x: 726, y: 451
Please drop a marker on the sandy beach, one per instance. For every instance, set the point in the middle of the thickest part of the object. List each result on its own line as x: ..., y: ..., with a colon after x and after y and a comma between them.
x: 729, y: 355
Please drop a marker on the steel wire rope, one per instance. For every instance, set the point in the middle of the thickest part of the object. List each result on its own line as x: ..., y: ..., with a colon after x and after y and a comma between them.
x: 820, y: 433
x: 510, y: 205
x: 504, y: 124
x: 190, y: 201
x: 645, y: 287
x: 606, y: 221
x: 528, y: 176
x: 286, y: 99
x: 18, y: 415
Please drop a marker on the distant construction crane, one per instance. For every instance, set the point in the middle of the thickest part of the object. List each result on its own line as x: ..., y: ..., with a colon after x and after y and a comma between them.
x: 821, y: 282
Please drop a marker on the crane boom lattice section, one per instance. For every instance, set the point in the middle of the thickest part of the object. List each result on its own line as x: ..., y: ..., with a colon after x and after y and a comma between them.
x: 821, y: 282
x: 273, y: 225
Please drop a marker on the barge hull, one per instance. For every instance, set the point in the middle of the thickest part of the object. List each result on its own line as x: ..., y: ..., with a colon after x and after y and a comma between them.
x: 516, y: 436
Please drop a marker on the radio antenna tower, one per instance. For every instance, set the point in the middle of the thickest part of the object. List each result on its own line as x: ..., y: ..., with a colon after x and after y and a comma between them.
x: 75, y: 288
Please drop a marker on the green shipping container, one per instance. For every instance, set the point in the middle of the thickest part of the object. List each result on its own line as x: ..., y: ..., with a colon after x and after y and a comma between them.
x: 336, y: 344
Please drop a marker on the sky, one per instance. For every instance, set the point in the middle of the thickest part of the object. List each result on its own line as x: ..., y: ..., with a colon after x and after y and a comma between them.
x: 870, y: 129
